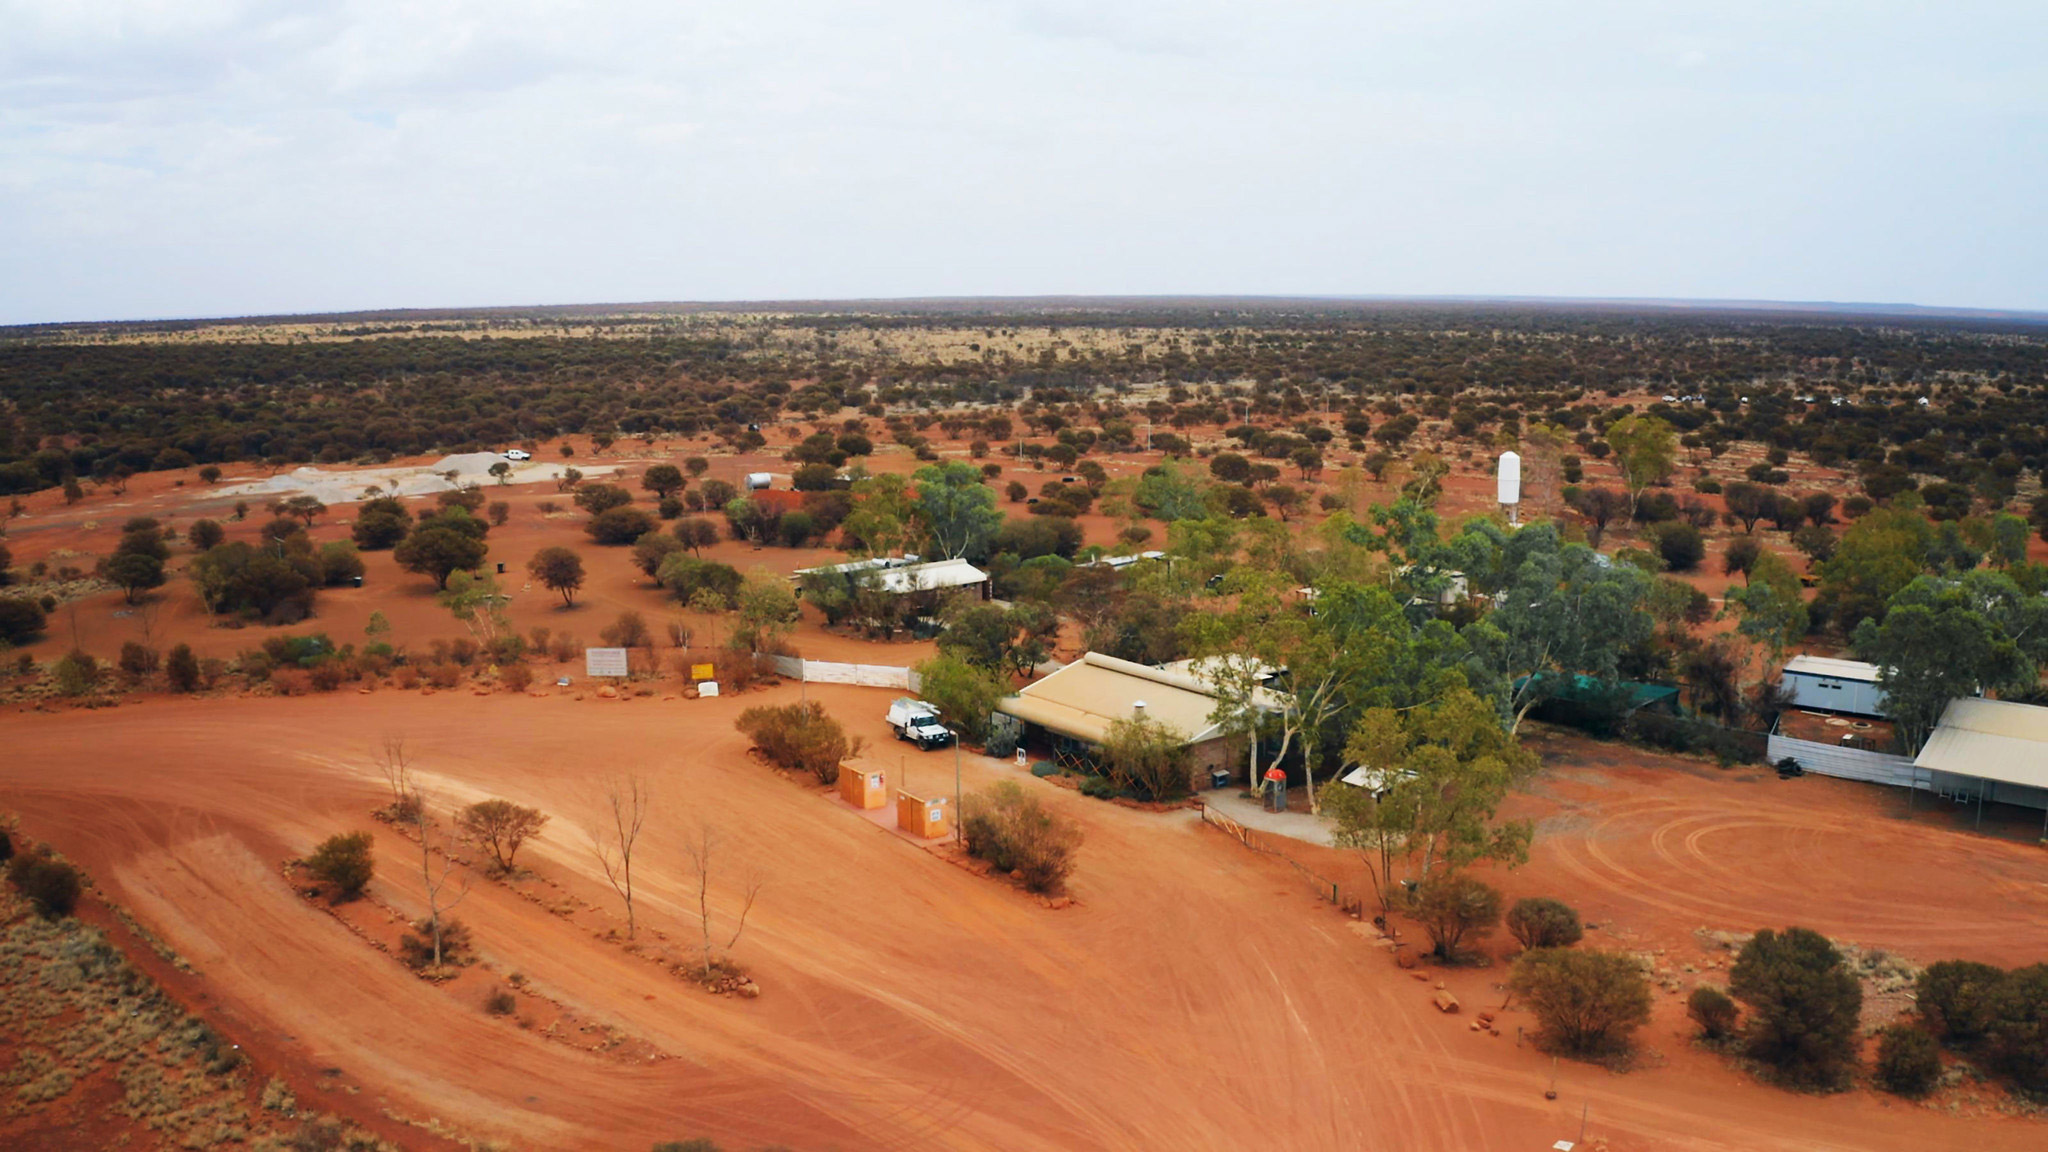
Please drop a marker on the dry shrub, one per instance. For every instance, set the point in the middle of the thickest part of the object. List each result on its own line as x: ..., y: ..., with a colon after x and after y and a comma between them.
x: 740, y: 668
x: 464, y: 650
x: 46, y: 882
x: 406, y: 676
x: 1016, y: 834
x: 798, y: 736
x: 442, y: 675
x: 501, y: 1003
x: 1540, y: 922
x: 372, y: 664
x: 292, y: 681
x: 516, y: 677
x: 565, y: 648
x: 329, y: 675
x: 416, y: 948
x: 538, y: 637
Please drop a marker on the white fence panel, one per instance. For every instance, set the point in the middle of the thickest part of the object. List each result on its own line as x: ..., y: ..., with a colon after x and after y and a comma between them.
x: 829, y: 672
x: 862, y: 675
x: 1847, y: 763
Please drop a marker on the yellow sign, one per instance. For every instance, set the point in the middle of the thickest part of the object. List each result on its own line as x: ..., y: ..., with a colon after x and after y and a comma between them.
x: 701, y: 672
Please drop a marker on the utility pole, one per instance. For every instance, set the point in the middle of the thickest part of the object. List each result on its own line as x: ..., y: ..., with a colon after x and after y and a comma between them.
x: 956, y: 787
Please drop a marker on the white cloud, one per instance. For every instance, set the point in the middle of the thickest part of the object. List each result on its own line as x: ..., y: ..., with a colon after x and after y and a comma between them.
x: 201, y: 158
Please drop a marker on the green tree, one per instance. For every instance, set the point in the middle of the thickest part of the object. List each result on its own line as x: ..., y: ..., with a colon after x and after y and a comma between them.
x: 1142, y: 755
x: 1770, y: 606
x: 621, y: 525
x: 664, y: 480
x: 597, y: 499
x: 436, y: 550
x: 380, y: 523
x: 1645, y: 452
x: 1454, y: 908
x: 1586, y: 1003
x: 1908, y: 1060
x: 561, y: 570
x: 880, y: 521
x: 2018, y: 1034
x: 1957, y: 998
x: 1941, y: 639
x: 964, y: 693
x: 1444, y: 769
x: 134, y: 573
x: 1879, y: 554
x: 1804, y: 1006
x: 767, y: 611
x: 1559, y: 612
x: 955, y: 510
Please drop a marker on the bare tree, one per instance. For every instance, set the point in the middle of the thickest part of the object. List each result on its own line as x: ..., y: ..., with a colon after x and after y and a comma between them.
x: 704, y: 850
x: 397, y: 772
x: 435, y: 879
x: 628, y: 801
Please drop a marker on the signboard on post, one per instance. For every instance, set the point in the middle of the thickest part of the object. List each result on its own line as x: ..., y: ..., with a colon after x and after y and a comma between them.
x: 604, y: 662
x: 702, y: 672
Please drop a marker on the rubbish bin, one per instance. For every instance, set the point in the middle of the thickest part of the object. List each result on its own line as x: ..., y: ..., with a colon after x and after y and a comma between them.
x: 1219, y: 778
x: 356, y: 580
x: 501, y: 569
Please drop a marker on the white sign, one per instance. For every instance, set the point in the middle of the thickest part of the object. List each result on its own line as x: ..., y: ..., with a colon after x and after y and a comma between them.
x: 708, y: 688
x: 604, y: 661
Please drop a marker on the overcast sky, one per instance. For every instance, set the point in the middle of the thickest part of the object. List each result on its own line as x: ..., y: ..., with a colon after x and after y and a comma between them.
x: 220, y: 157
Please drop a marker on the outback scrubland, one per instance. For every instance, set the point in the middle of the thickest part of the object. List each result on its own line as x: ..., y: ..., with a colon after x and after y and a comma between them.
x: 284, y: 633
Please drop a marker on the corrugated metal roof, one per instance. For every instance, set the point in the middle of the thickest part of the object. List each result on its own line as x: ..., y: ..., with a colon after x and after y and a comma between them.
x: 1990, y: 740
x: 1084, y: 698
x: 1829, y: 666
x: 924, y: 577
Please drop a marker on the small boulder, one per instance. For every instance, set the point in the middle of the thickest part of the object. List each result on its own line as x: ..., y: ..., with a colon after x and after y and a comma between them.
x: 1444, y: 1001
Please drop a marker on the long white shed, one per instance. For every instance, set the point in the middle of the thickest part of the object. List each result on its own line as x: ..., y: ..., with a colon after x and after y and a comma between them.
x: 1824, y: 682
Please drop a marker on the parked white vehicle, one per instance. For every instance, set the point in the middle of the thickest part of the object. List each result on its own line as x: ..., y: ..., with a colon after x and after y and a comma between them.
x: 918, y: 722
x: 517, y: 454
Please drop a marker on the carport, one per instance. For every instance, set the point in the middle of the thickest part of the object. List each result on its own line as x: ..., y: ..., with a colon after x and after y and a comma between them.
x: 1992, y: 751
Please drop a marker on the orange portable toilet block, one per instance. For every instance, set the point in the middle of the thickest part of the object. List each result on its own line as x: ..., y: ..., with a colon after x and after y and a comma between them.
x: 864, y: 788
x: 925, y: 818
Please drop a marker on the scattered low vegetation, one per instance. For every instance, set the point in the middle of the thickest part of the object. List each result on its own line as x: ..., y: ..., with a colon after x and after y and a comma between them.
x: 1019, y: 836
x: 1804, y: 1007
x: 1587, y: 1003
x: 801, y: 737
x: 1540, y: 922
x: 501, y: 827
x: 344, y: 861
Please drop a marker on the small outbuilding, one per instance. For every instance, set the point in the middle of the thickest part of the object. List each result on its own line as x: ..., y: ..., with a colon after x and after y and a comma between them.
x: 1846, y: 686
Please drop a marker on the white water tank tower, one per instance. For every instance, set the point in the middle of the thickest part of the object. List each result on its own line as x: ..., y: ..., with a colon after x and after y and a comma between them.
x: 1509, y: 477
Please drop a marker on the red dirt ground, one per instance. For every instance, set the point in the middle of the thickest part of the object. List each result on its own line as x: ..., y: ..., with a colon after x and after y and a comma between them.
x: 1196, y: 996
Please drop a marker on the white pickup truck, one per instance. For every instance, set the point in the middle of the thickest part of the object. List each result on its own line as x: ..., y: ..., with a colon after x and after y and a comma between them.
x: 918, y: 722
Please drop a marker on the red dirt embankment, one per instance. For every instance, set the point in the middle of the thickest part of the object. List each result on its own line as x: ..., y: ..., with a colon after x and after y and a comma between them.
x: 1197, y: 997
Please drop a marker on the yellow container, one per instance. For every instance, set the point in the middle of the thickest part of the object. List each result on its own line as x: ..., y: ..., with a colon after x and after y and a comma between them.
x: 929, y: 819
x: 864, y: 788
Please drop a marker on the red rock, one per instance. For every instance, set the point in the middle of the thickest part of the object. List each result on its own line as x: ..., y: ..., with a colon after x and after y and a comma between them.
x: 1444, y: 1001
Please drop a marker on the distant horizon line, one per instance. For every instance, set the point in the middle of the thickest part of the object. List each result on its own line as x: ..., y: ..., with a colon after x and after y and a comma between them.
x: 1050, y: 301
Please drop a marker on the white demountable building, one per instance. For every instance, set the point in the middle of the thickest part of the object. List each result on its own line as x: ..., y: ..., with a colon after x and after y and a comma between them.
x: 1834, y: 685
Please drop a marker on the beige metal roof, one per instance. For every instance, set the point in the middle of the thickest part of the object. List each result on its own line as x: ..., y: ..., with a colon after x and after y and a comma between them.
x: 1829, y: 666
x: 1084, y: 698
x: 1990, y: 740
